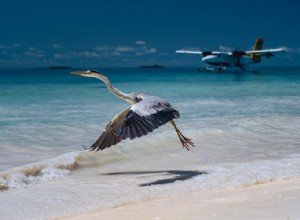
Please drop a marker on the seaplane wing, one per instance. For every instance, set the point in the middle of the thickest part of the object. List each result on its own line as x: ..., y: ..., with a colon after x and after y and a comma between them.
x: 265, y: 52
x: 189, y: 52
x: 205, y: 53
x: 254, y: 52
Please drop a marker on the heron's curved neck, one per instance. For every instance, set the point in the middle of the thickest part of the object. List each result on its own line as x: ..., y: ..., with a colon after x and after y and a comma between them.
x: 114, y: 90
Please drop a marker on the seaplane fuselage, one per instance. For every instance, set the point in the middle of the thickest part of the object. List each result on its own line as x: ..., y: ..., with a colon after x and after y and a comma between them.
x: 225, y: 59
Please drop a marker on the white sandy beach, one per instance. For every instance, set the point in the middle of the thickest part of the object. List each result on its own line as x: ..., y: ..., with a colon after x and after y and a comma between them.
x: 275, y: 200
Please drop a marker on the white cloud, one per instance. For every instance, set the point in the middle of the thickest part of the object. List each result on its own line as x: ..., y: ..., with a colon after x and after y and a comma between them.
x: 34, y: 52
x: 140, y: 42
x: 103, y: 48
x: 190, y: 48
x: 7, y: 47
x: 87, y: 54
x: 151, y: 50
x: 140, y: 49
x: 225, y: 48
x: 32, y: 49
x: 124, y: 49
x: 61, y: 56
x: 140, y: 54
x: 116, y: 54
x: 56, y: 46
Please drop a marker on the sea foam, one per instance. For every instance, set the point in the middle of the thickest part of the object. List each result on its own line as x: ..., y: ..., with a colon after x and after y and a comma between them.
x: 231, y: 176
x: 33, y: 173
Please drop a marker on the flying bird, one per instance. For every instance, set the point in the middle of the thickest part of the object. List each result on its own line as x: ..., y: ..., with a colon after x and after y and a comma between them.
x: 145, y: 114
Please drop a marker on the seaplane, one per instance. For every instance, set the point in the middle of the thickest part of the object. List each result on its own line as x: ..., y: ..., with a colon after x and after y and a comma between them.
x: 236, y: 60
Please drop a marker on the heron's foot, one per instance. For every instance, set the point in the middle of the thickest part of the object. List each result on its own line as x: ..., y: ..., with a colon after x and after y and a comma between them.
x: 186, y: 142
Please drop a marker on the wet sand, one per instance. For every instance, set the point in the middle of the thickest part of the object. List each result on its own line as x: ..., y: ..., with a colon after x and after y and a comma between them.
x: 275, y: 200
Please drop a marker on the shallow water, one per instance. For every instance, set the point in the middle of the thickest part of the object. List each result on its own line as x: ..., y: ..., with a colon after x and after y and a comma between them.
x: 245, y: 128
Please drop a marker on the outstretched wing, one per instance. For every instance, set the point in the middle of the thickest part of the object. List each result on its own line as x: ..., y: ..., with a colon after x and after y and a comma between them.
x: 110, y: 135
x: 141, y: 118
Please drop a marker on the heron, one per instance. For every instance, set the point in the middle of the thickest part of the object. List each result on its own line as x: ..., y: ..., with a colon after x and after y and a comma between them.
x: 145, y: 114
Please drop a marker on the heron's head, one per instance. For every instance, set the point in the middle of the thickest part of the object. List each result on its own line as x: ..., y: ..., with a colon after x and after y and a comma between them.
x: 88, y: 73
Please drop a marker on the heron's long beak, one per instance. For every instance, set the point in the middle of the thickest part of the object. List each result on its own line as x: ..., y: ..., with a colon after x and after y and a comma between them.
x: 77, y: 72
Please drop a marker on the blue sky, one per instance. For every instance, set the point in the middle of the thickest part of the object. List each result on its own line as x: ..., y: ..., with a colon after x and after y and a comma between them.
x: 113, y: 33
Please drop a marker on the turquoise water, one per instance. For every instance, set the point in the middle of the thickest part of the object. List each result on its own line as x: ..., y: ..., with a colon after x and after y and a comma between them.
x: 50, y: 109
x: 238, y: 122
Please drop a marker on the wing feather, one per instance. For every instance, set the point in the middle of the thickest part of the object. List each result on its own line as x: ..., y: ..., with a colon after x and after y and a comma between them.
x: 142, y: 128
x: 138, y: 120
x: 110, y: 135
x: 132, y: 131
x: 147, y: 115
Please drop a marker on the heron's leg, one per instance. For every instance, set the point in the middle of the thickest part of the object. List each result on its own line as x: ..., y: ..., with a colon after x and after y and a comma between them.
x: 184, y: 140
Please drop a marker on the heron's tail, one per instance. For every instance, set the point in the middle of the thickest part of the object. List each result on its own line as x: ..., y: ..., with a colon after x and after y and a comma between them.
x: 86, y: 147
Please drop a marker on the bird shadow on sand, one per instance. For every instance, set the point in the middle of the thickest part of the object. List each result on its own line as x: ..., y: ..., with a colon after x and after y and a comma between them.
x: 176, y: 175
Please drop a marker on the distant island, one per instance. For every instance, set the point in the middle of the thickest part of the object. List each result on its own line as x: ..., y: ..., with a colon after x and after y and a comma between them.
x: 55, y: 67
x: 58, y: 67
x: 152, y: 66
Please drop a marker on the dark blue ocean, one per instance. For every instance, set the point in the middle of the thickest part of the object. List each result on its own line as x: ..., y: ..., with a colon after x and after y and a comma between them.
x: 237, y: 121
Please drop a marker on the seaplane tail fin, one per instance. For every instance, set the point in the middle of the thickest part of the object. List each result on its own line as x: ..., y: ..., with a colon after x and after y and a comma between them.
x: 258, y: 46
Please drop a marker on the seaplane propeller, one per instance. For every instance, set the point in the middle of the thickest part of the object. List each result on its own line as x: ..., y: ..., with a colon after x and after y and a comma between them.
x: 238, y: 54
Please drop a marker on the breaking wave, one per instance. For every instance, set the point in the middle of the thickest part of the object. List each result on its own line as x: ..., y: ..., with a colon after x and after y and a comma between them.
x: 30, y: 174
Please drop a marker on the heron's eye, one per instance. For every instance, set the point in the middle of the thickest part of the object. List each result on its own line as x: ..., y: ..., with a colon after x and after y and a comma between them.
x: 138, y: 99
x: 92, y: 71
